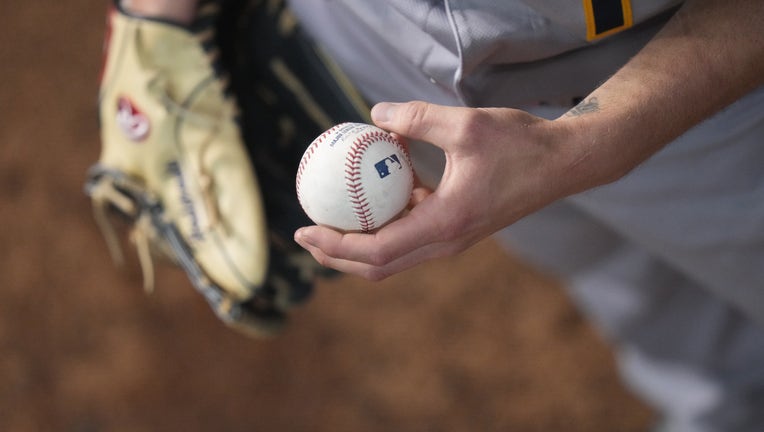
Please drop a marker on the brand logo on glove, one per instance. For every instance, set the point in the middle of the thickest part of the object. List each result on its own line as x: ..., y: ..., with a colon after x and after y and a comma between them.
x: 133, y: 123
x: 185, y: 199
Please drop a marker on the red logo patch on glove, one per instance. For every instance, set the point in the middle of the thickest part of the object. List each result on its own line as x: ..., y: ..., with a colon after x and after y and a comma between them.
x: 134, y: 124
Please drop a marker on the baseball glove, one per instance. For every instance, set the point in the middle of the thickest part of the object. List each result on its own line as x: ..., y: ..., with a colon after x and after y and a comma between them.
x: 202, y: 129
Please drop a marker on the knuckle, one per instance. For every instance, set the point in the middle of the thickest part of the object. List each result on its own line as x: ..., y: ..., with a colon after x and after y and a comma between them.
x: 322, y: 259
x: 413, y: 118
x: 376, y: 274
x: 379, y: 258
x: 458, y: 223
x: 454, y: 234
x: 454, y: 248
x: 450, y: 248
x: 473, y: 125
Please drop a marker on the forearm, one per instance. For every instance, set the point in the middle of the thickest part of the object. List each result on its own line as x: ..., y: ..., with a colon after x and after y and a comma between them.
x: 707, y: 56
x: 181, y: 11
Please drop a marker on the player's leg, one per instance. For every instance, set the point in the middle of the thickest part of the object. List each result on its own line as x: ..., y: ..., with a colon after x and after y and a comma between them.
x: 699, y: 205
x: 684, y: 351
x: 664, y: 262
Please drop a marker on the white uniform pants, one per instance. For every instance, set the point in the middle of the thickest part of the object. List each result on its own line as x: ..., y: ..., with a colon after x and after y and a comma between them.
x: 669, y: 263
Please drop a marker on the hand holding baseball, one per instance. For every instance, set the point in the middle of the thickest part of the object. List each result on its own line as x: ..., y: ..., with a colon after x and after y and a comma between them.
x: 501, y: 164
x: 354, y: 177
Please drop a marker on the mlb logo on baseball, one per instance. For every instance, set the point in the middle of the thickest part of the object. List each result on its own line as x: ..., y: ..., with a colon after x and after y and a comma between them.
x: 387, y: 164
x: 354, y: 177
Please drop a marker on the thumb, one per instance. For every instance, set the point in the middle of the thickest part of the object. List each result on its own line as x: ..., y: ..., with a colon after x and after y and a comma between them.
x: 418, y: 120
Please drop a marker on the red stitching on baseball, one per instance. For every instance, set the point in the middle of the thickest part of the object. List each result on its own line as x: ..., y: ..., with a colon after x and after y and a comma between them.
x: 356, y: 194
x: 308, y: 155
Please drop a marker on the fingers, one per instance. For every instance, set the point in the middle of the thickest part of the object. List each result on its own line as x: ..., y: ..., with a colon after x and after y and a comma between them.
x: 394, y: 240
x: 368, y: 271
x: 418, y: 195
x: 433, y: 227
x: 401, y: 244
x: 419, y: 120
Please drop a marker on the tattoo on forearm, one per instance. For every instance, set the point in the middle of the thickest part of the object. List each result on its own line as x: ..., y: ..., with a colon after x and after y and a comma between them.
x: 586, y: 106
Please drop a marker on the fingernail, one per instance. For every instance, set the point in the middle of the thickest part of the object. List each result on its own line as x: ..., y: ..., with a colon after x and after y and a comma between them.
x: 301, y: 237
x: 383, y: 112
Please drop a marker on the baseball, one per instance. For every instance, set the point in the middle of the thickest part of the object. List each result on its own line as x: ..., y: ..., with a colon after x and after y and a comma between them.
x: 354, y: 177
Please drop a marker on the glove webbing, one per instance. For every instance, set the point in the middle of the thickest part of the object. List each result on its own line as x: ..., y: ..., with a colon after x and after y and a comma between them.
x: 110, y: 187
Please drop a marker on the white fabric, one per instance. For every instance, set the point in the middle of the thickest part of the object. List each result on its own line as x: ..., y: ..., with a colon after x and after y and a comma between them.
x: 669, y: 263
x: 522, y: 52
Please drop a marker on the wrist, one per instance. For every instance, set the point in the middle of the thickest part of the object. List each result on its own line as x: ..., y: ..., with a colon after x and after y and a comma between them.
x: 589, y: 151
x: 606, y: 136
x: 178, y: 11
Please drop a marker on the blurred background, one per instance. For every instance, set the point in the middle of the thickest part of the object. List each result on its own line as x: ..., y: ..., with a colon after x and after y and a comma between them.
x: 476, y: 342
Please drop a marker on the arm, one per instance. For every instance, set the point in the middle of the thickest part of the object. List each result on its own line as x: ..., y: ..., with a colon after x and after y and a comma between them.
x: 180, y: 11
x: 710, y: 54
x: 503, y: 164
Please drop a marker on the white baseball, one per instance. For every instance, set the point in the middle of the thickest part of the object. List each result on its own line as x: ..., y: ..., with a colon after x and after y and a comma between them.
x: 354, y: 177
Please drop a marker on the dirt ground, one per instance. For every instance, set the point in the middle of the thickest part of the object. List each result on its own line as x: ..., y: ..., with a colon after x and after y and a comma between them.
x: 476, y: 342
